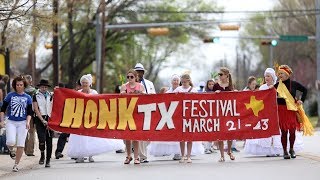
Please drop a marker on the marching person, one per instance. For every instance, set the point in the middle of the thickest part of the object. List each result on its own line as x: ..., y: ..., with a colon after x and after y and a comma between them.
x: 264, y: 146
x: 208, y: 145
x: 287, y: 108
x: 187, y: 87
x: 87, y: 146
x: 42, y: 105
x: 18, y: 106
x: 224, y: 84
x: 149, y: 89
x: 157, y: 148
x: 132, y: 87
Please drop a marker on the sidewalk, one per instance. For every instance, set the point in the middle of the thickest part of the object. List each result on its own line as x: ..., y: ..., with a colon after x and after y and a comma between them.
x: 26, y: 163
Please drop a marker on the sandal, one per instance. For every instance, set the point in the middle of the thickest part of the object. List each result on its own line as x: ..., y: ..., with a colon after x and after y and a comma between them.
x: 231, y: 156
x: 137, y: 161
x: 222, y: 159
x: 128, y: 160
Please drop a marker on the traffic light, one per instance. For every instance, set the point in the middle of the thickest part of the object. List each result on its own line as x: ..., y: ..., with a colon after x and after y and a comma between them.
x: 158, y: 31
x: 269, y: 43
x: 227, y: 27
x: 211, y: 40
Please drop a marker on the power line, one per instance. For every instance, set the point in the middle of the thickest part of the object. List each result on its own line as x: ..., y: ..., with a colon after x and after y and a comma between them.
x: 225, y: 12
x: 185, y: 23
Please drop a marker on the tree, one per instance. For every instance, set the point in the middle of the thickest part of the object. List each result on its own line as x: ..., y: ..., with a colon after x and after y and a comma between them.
x: 124, y: 47
x: 298, y: 55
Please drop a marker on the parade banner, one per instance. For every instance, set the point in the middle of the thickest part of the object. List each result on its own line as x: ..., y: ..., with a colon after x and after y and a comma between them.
x: 167, y: 117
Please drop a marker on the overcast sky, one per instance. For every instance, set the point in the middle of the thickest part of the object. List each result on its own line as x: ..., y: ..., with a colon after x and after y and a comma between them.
x: 209, y: 54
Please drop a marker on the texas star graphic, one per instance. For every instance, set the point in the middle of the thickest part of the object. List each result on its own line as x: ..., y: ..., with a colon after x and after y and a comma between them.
x: 255, y: 105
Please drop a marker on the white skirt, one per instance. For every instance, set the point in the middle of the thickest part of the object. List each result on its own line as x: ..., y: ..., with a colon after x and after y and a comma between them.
x: 85, y: 146
x: 271, y: 145
x: 157, y: 148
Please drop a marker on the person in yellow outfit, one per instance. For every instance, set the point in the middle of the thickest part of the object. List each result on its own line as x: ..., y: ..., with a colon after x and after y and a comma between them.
x: 287, y: 108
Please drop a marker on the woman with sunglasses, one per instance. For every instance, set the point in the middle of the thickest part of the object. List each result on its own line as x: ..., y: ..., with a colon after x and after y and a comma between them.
x: 224, y: 84
x: 86, y: 146
x: 132, y: 87
x: 187, y: 87
x: 18, y: 106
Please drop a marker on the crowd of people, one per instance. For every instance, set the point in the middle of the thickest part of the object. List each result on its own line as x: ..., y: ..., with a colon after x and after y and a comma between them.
x: 27, y: 109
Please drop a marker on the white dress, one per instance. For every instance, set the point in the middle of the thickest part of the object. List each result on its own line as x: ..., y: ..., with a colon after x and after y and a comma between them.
x: 271, y: 145
x: 84, y: 146
x: 157, y: 148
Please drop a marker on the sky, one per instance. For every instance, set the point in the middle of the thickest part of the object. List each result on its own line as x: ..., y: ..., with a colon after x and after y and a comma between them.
x: 210, y: 53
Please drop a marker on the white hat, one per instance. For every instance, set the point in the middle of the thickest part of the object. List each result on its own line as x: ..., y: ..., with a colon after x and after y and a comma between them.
x: 87, y: 77
x: 272, y: 73
x: 139, y: 67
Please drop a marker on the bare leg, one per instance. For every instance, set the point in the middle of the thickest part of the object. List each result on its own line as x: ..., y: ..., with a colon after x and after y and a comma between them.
x: 221, y: 148
x: 128, y: 148
x: 189, y: 148
x: 182, y: 148
x: 19, y: 154
x: 136, y: 149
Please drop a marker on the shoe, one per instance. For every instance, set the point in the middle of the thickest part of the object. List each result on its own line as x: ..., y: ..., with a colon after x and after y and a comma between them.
x: 207, y: 151
x: 120, y: 151
x: 30, y: 154
x: 128, y: 160
x: 292, y: 154
x: 15, y: 168
x: 91, y: 159
x: 47, y: 163
x: 176, y: 157
x: 182, y: 160
x: 189, y: 160
x: 12, y: 154
x: 144, y: 161
x: 222, y: 159
x: 286, y: 156
x: 235, y: 149
x: 41, y: 161
x: 231, y: 156
x: 59, y: 155
x: 80, y: 160
x: 137, y: 161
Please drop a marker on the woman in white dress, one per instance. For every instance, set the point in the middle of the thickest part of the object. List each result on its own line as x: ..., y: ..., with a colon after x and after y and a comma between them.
x: 85, y: 146
x: 187, y: 87
x: 269, y: 146
x: 157, y: 148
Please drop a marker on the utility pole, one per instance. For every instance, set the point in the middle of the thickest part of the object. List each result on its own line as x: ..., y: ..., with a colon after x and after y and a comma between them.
x: 98, y: 51
x: 103, y: 43
x: 270, y: 56
x: 318, y: 55
x: 55, y: 44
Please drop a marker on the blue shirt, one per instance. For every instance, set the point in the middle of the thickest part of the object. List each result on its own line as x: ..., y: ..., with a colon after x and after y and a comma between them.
x: 17, y: 106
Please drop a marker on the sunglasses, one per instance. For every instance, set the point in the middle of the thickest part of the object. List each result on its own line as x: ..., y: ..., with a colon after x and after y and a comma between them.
x: 220, y: 74
x: 130, y: 77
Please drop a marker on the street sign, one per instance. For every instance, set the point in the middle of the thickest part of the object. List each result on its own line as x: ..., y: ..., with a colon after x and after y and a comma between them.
x: 292, y: 38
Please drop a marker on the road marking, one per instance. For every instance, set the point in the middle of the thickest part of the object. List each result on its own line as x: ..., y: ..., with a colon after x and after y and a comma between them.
x: 310, y: 156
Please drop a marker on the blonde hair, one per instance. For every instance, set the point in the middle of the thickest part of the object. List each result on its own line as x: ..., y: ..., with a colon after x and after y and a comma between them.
x: 226, y: 71
x: 132, y: 71
x: 187, y: 77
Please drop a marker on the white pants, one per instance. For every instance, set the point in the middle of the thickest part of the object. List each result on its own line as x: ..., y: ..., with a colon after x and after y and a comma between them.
x: 16, y: 132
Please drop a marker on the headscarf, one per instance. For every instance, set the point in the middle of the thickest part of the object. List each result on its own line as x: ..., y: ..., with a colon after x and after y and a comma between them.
x: 272, y: 73
x: 286, y: 69
x: 175, y: 76
x: 87, y: 77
